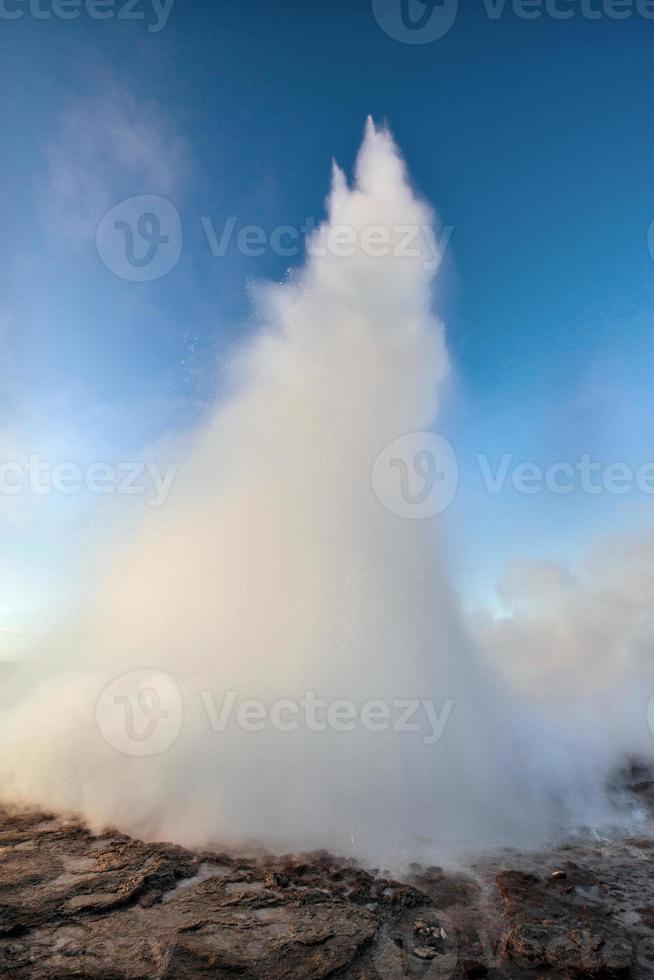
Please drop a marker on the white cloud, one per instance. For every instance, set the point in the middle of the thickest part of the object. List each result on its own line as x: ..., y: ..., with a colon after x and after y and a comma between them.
x: 577, y: 631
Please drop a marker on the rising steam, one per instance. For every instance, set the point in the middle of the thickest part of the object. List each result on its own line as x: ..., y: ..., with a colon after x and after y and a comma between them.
x: 584, y: 633
x: 273, y: 571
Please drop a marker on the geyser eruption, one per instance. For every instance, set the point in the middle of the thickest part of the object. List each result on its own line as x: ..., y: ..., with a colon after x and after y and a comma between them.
x: 273, y: 574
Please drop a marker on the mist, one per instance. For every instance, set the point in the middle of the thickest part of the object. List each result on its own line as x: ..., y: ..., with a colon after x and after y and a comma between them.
x: 581, y: 634
x: 274, y: 570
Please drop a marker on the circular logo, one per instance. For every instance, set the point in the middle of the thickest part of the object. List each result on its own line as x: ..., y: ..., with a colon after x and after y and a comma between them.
x: 415, y: 21
x: 141, y: 238
x: 416, y: 476
x: 140, y: 713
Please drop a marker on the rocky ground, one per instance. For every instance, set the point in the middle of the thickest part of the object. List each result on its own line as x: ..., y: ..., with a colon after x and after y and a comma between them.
x: 74, y: 904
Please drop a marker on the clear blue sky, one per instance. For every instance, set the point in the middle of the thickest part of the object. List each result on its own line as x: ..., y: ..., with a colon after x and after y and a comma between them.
x: 532, y: 138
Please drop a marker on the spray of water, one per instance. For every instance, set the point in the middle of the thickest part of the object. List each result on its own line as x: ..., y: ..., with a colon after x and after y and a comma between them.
x: 273, y: 570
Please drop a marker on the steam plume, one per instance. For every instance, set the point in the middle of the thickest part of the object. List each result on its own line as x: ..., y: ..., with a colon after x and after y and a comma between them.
x: 273, y: 571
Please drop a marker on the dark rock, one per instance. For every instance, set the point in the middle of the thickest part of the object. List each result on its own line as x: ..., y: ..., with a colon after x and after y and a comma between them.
x: 107, y: 907
x: 472, y: 970
x: 553, y: 928
x: 425, y: 952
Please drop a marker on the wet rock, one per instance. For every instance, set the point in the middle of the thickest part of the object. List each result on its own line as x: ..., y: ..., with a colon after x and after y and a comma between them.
x: 432, y: 935
x: 425, y: 952
x: 78, y: 904
x: 275, y: 879
x: 444, y: 888
x: 554, y: 928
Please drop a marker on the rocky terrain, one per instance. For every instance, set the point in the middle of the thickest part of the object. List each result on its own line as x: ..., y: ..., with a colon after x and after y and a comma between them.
x: 75, y: 904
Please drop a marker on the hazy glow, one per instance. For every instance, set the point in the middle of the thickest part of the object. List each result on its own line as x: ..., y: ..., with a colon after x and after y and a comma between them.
x: 273, y: 571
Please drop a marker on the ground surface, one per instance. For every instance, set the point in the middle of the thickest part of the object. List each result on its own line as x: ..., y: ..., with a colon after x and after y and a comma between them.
x: 73, y: 904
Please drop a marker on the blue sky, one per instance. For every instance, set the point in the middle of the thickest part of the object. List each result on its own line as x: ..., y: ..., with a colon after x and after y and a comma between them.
x: 533, y: 140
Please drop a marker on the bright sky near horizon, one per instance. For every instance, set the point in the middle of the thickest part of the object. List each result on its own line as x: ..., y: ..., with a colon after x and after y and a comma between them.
x: 531, y: 136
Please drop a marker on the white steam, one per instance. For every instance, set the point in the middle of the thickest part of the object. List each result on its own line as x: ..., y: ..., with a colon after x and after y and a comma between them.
x: 273, y: 571
x: 584, y: 635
